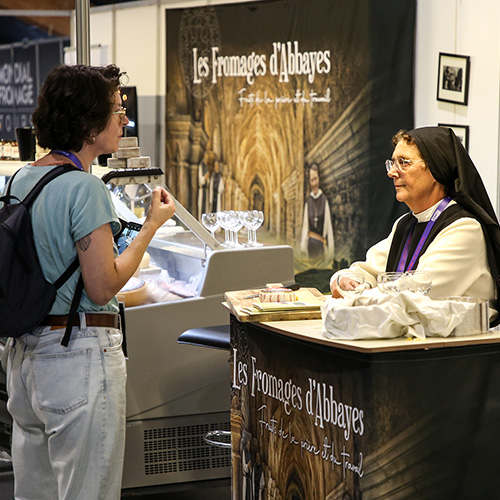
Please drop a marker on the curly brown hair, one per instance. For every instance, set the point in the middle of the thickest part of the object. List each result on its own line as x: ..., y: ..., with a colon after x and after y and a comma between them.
x: 403, y: 135
x: 74, y: 103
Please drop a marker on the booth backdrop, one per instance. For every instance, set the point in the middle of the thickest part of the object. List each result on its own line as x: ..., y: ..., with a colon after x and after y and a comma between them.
x: 258, y: 92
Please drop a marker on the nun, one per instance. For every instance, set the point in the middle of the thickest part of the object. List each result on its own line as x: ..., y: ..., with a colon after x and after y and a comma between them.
x: 451, y: 229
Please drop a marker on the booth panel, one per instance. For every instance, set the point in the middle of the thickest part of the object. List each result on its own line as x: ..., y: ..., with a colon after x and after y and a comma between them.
x: 327, y: 423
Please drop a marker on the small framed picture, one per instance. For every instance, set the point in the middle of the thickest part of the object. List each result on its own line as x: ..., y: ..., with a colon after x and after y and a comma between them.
x: 453, y: 78
x: 461, y: 131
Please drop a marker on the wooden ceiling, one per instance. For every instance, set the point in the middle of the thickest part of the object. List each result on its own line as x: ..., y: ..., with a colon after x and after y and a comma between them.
x: 55, y: 26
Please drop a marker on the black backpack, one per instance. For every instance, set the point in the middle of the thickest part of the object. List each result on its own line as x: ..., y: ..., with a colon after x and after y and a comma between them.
x: 26, y: 297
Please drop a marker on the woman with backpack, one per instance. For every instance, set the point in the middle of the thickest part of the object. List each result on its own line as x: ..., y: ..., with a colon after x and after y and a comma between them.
x: 68, y: 403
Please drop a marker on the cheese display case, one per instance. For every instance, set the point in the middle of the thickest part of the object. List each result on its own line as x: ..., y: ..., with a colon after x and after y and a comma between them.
x: 177, y: 393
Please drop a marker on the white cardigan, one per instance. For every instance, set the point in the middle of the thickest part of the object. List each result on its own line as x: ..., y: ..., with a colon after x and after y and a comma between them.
x: 456, y: 259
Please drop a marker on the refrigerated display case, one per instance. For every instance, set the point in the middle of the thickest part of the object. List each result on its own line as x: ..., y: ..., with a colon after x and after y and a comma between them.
x: 178, y: 393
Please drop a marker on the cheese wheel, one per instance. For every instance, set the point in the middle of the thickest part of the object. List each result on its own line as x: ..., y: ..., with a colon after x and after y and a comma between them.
x: 134, y: 293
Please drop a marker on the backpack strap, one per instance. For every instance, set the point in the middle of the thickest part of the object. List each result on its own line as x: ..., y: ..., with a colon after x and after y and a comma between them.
x: 49, y: 176
x: 7, y: 197
x: 76, y: 297
x: 28, y: 200
x: 66, y: 274
x: 7, y: 193
x: 55, y: 172
x: 72, y: 311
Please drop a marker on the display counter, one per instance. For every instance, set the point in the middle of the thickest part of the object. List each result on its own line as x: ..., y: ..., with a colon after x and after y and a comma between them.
x: 314, y: 418
x: 175, y: 393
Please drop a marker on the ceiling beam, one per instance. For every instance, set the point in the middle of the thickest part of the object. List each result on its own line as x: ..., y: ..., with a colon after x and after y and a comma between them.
x: 36, y: 13
x: 55, y: 24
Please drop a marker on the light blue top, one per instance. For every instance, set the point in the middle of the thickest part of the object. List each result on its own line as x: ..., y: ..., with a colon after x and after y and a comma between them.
x: 68, y: 208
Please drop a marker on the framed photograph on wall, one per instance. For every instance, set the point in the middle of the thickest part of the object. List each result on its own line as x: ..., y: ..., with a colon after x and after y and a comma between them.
x: 453, y: 78
x: 461, y: 131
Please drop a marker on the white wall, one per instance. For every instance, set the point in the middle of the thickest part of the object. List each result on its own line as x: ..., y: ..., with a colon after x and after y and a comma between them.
x: 134, y: 37
x: 471, y: 28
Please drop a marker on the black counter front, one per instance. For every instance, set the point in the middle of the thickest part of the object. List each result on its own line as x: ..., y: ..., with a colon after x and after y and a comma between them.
x: 318, y: 419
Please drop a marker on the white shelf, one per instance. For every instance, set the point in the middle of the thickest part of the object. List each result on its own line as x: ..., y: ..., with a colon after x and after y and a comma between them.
x: 10, y: 167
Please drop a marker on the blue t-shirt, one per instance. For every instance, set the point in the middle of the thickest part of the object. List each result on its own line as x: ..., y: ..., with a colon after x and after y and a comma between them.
x: 67, y: 209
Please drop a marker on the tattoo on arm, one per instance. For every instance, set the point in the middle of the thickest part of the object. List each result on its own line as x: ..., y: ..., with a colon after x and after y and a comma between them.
x: 84, y: 243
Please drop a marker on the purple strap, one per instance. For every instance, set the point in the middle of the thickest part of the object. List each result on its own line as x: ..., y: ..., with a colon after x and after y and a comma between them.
x: 404, y: 255
x: 70, y: 156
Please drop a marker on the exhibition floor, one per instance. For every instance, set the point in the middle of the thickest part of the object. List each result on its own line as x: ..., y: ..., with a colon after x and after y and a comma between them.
x: 199, y: 490
x: 217, y: 489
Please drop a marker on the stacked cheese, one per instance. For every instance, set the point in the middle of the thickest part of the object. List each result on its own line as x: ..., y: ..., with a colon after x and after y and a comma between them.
x: 129, y: 155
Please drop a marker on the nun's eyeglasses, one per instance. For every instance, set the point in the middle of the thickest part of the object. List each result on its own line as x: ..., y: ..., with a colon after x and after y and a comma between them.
x: 400, y: 164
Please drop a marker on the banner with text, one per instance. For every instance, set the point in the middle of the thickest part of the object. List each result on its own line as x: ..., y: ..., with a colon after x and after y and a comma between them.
x: 312, y: 421
x: 288, y: 108
x: 23, y: 68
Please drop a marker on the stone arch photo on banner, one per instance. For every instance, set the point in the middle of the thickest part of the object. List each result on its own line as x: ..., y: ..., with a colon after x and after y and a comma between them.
x: 453, y: 78
x: 461, y: 131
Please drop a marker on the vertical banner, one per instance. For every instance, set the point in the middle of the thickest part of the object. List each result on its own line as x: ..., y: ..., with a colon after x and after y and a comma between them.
x: 288, y: 107
x: 24, y: 84
x: 23, y: 68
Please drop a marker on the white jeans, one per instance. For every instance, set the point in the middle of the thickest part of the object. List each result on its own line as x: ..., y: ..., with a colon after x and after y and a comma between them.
x: 68, y: 406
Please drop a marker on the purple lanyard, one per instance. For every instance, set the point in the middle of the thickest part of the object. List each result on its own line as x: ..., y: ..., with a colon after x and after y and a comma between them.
x: 404, y: 256
x: 70, y: 156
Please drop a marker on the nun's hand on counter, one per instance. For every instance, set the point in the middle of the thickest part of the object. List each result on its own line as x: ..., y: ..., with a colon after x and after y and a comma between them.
x: 335, y: 291
x: 334, y: 287
x: 346, y: 283
x: 162, y: 207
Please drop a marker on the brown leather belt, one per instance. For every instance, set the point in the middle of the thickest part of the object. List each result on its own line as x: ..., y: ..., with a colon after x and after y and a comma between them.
x: 56, y: 322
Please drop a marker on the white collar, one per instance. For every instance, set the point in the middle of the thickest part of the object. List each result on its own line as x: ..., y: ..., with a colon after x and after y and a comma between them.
x: 426, y: 215
x: 317, y: 195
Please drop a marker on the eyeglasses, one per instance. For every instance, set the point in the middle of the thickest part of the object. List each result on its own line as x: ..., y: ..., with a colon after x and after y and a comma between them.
x: 121, y: 112
x: 400, y: 164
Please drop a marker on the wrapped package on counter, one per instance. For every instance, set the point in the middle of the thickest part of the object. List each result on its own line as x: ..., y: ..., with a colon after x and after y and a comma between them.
x: 374, y: 315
